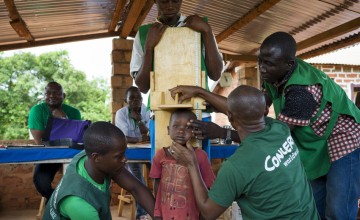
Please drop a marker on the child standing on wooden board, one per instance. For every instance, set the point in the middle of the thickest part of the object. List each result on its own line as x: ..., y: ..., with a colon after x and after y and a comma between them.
x: 174, y: 193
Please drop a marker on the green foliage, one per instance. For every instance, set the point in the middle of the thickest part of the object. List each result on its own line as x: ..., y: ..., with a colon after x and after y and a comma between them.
x: 23, y: 78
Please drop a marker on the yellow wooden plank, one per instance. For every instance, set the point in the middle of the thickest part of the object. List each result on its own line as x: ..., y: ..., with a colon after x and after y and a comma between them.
x: 162, y: 138
x: 177, y: 60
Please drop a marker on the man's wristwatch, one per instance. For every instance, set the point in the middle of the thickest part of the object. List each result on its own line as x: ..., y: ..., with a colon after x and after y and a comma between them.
x: 228, y: 139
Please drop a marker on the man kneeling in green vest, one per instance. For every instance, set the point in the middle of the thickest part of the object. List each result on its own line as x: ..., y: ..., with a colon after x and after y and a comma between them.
x: 83, y: 192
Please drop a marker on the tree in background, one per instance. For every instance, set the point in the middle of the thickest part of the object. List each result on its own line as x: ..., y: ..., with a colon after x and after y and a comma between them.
x: 23, y: 78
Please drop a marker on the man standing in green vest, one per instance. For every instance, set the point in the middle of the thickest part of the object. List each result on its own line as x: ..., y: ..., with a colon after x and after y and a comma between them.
x: 149, y: 36
x: 324, y: 124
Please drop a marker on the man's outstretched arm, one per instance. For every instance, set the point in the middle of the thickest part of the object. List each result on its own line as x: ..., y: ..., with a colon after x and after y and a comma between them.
x: 203, y: 130
x: 187, y: 92
x: 140, y: 192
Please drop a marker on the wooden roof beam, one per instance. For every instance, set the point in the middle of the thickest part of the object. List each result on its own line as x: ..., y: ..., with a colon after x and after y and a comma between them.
x: 144, y: 12
x: 240, y: 58
x: 329, y: 34
x: 247, y: 18
x: 132, y: 15
x: 17, y: 23
x: 60, y: 40
x: 351, y: 40
x: 116, y: 16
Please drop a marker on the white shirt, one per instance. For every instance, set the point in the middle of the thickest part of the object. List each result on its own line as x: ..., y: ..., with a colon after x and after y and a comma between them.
x: 127, y: 125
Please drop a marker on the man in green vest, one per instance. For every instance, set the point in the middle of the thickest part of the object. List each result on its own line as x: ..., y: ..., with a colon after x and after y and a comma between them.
x: 83, y: 192
x: 324, y: 124
x: 149, y: 36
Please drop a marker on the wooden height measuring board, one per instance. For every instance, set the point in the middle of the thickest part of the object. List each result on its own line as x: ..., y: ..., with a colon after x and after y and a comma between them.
x: 177, y: 61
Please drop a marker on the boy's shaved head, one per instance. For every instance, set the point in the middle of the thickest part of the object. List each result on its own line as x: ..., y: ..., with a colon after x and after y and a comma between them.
x: 246, y: 103
x: 100, y: 136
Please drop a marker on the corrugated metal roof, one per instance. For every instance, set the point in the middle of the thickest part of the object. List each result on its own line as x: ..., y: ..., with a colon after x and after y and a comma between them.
x: 305, y: 20
x: 55, y: 19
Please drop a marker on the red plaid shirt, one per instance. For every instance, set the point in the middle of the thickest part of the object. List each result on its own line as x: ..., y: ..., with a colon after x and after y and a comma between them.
x: 345, y: 136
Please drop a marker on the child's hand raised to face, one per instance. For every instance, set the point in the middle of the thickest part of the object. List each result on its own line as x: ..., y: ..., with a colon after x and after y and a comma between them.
x: 183, y: 155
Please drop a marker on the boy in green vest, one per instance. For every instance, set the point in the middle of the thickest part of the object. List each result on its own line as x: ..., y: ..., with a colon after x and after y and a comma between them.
x: 83, y: 192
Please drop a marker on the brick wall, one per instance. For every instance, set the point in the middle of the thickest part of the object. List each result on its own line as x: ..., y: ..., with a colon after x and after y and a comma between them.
x: 17, y: 190
x: 120, y: 77
x: 342, y: 74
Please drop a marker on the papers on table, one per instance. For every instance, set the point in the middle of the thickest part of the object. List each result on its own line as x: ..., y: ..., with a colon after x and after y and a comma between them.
x: 33, y: 146
x: 140, y: 145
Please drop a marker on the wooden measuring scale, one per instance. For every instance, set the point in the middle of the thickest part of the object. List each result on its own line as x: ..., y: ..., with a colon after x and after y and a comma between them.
x: 177, y: 61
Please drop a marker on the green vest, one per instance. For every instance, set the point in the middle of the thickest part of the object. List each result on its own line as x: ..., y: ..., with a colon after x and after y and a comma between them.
x: 313, y: 149
x: 75, y: 185
x: 143, y: 31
